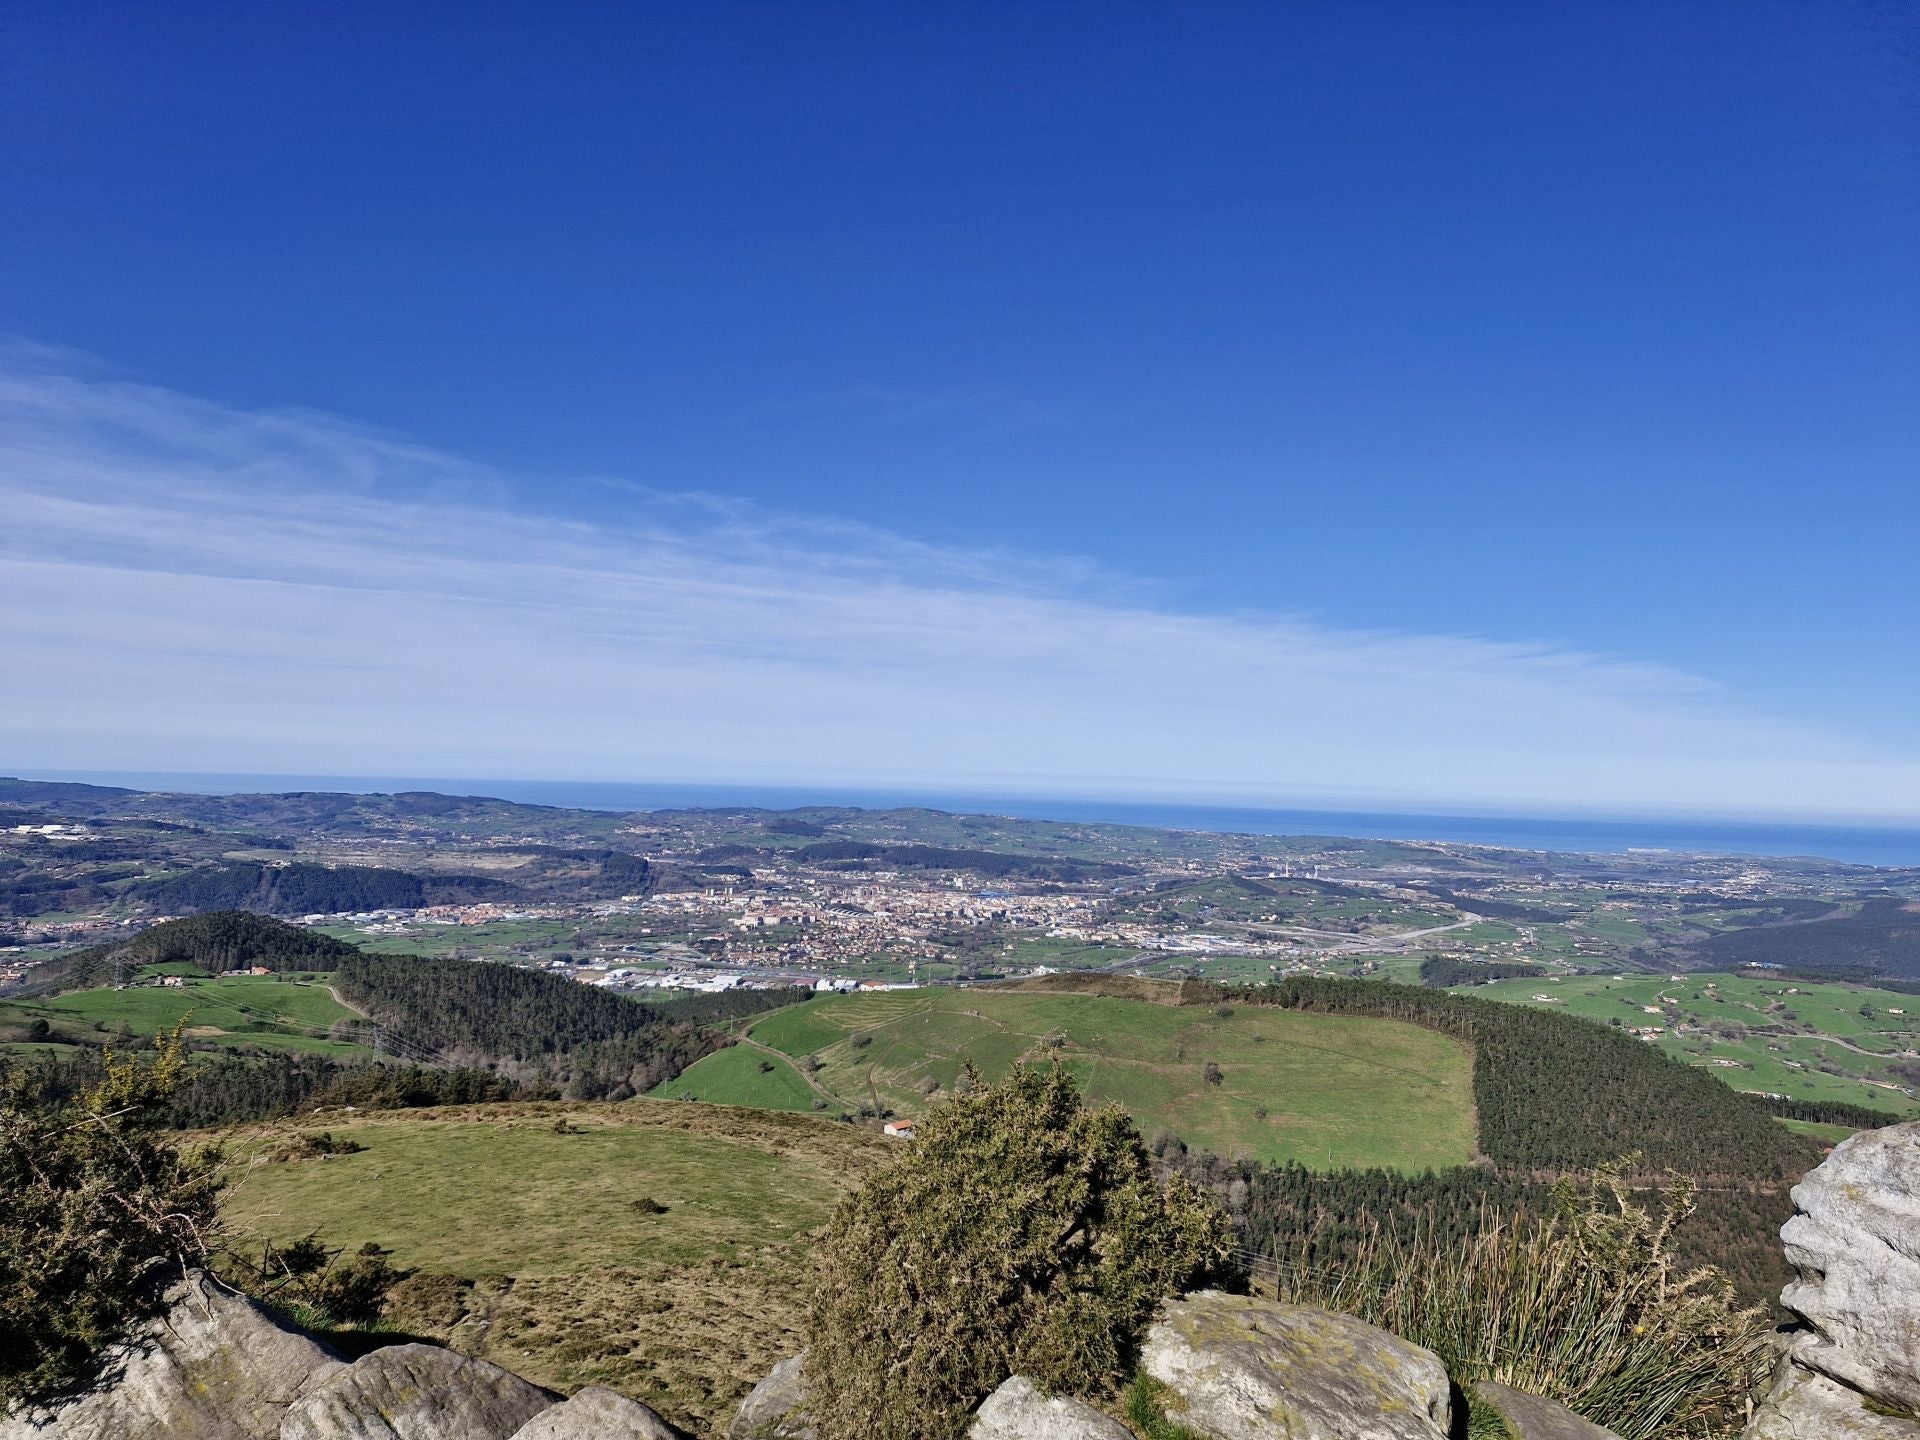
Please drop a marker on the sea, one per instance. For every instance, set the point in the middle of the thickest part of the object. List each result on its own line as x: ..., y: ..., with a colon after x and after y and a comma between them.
x: 1886, y: 846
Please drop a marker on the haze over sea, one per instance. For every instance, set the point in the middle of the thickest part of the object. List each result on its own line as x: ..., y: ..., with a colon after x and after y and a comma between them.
x: 1881, y: 845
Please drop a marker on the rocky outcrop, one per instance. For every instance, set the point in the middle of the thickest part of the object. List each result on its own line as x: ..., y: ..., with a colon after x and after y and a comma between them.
x: 415, y: 1392
x: 1531, y: 1418
x: 597, y: 1413
x: 1020, y: 1410
x: 776, y: 1408
x: 1244, y: 1369
x: 1854, y: 1244
x: 1809, y: 1406
x: 214, y: 1367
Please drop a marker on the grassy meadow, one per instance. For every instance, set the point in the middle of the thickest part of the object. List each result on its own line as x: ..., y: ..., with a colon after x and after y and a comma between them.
x: 1328, y: 1091
x: 653, y: 1246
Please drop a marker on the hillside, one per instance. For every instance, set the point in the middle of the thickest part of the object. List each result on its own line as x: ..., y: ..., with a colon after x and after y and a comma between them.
x: 1819, y: 1041
x: 560, y: 1272
x: 554, y: 1033
x: 305, y: 888
x: 1880, y: 940
x: 254, y: 1012
x: 214, y: 943
x: 1345, y: 1141
x: 1328, y: 1091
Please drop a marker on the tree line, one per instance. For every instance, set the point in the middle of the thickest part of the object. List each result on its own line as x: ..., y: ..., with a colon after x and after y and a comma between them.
x: 226, y: 1089
x: 1556, y: 1095
x: 1441, y: 971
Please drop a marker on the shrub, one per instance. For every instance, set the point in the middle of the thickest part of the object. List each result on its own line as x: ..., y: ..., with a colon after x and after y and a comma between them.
x: 1025, y: 1234
x: 318, y: 1287
x: 99, y: 1216
x: 1588, y: 1306
x: 314, y: 1147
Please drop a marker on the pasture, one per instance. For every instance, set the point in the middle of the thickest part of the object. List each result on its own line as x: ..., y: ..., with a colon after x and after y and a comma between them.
x: 653, y: 1246
x: 1327, y: 1091
x: 285, y: 1012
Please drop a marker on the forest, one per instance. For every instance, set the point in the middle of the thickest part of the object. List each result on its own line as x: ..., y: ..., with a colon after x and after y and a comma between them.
x: 1441, y: 971
x: 215, y: 942
x: 552, y: 1034
x: 1881, y: 941
x: 304, y: 888
x: 1555, y: 1095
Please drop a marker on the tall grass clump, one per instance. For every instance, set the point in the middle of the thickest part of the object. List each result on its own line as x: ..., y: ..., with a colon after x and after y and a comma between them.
x: 1587, y: 1306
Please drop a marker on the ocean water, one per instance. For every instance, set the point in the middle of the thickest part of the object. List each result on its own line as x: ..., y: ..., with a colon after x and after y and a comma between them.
x: 1887, y: 846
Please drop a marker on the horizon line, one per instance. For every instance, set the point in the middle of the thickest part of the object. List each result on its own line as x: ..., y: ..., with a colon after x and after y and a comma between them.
x: 906, y: 795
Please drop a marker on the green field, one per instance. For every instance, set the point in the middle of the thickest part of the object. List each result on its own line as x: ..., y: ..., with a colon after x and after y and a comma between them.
x: 1791, y: 1037
x: 272, y: 1011
x: 1327, y: 1091
x: 573, y: 1283
x: 734, y: 1077
x: 469, y: 1193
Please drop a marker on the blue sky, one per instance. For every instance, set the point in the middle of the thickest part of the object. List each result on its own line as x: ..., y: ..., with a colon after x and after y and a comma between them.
x: 1484, y: 404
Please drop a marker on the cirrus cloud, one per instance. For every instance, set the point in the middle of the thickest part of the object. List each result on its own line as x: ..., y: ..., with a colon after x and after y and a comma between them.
x: 192, y: 587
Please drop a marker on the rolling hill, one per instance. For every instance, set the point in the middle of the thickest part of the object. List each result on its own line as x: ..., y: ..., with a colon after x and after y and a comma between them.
x: 1329, y: 1091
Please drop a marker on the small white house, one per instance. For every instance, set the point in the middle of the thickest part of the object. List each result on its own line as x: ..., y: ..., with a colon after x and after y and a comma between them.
x: 898, y: 1129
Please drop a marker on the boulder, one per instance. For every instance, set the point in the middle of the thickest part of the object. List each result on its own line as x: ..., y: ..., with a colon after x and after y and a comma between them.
x: 776, y: 1408
x: 597, y: 1413
x: 215, y: 1367
x: 1854, y: 1244
x: 1020, y: 1410
x: 1809, y: 1406
x: 1247, y: 1369
x: 415, y: 1392
x: 1531, y: 1418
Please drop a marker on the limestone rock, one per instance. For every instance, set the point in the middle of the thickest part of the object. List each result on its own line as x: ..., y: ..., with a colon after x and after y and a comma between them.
x: 776, y: 1408
x: 1020, y: 1410
x: 1530, y: 1417
x: 215, y: 1367
x: 1854, y: 1243
x: 1808, y: 1406
x: 597, y: 1413
x: 1247, y: 1369
x: 415, y: 1392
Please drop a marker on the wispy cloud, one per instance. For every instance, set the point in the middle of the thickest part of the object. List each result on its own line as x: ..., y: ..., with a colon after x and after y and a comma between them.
x: 190, y: 587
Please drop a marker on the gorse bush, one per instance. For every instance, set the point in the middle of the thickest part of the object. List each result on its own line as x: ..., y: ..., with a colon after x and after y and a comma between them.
x: 1587, y: 1305
x: 98, y: 1215
x: 1023, y: 1233
x: 320, y: 1287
